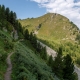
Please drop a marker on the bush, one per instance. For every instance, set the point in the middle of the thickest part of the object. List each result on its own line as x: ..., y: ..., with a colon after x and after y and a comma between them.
x: 8, y: 45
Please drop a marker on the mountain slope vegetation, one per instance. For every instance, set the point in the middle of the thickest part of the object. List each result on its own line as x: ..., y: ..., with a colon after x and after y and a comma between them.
x: 29, y: 66
x: 52, y: 25
x: 26, y: 64
x: 56, y: 30
x: 29, y: 59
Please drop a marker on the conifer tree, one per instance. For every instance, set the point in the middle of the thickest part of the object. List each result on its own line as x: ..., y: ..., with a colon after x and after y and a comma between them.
x: 31, y: 37
x: 14, y: 16
x: 39, y: 48
x: 3, y: 12
x: 0, y: 13
x: 34, y: 41
x: 50, y: 61
x: 16, y: 25
x: 26, y: 34
x: 69, y: 68
x: 7, y: 13
x: 45, y: 53
x: 11, y: 19
x: 20, y: 28
x: 58, y: 64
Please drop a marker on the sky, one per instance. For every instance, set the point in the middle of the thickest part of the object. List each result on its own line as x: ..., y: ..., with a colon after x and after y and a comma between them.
x: 35, y: 8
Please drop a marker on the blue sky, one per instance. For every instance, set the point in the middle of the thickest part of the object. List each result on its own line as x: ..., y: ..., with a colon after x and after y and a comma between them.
x: 35, y: 8
x: 24, y: 8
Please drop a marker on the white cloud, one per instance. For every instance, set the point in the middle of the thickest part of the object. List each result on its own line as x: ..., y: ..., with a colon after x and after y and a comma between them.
x: 40, y: 1
x: 68, y: 8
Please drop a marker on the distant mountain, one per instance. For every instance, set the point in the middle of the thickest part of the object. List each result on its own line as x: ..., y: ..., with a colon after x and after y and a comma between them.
x: 51, y: 27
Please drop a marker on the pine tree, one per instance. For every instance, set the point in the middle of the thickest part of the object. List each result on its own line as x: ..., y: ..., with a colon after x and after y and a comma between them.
x: 0, y: 13
x: 34, y: 41
x: 20, y: 28
x: 45, y: 53
x: 39, y: 48
x: 14, y: 16
x: 50, y: 61
x: 7, y: 13
x: 42, y: 51
x: 3, y: 16
x: 31, y: 37
x: 16, y: 26
x: 69, y: 68
x: 58, y: 64
x: 11, y: 19
x: 26, y: 34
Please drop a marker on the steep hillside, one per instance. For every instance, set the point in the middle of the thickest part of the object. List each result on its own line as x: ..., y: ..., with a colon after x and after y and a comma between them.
x: 22, y: 57
x: 29, y: 66
x: 51, y: 27
x: 26, y: 62
x: 7, y: 33
x: 5, y: 48
x: 56, y: 30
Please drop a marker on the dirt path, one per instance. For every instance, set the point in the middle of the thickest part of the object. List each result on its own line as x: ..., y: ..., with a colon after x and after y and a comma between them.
x: 7, y: 75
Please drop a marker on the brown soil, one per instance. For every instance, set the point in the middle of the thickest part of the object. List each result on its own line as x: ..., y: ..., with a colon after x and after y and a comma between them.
x: 7, y: 75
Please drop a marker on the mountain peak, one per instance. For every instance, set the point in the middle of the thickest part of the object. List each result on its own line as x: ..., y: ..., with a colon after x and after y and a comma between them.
x: 52, y: 26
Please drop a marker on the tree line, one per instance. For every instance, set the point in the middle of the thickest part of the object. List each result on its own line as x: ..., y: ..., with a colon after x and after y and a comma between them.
x: 8, y: 19
x: 62, y: 66
x: 33, y: 40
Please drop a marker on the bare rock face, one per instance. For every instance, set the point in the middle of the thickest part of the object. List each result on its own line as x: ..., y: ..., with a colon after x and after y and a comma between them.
x: 14, y: 34
x: 49, y: 50
x: 77, y: 70
x: 4, y: 29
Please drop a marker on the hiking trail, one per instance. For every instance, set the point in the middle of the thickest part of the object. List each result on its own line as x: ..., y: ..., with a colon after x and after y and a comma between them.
x: 7, y: 75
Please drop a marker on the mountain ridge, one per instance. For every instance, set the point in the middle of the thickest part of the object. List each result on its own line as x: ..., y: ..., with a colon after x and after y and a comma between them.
x: 54, y: 25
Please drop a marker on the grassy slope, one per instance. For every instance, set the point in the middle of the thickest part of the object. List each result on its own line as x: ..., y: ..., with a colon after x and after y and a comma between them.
x: 28, y: 53
x: 30, y: 57
x: 54, y: 26
x: 34, y: 64
x: 3, y: 53
x: 33, y: 61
